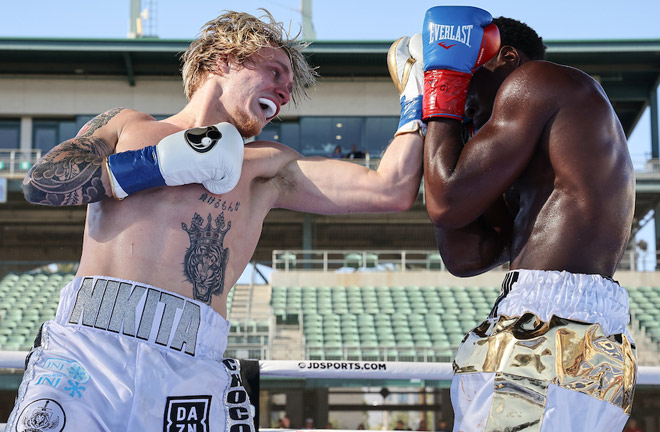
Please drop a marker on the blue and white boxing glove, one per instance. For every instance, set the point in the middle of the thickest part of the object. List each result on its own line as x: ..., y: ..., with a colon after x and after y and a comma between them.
x: 404, y: 61
x: 457, y: 40
x: 211, y: 155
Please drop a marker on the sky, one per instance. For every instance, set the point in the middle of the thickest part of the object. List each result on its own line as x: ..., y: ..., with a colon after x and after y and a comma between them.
x: 341, y: 20
x: 332, y: 19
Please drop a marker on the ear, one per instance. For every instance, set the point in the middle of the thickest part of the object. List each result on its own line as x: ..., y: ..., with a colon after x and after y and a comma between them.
x: 223, y: 65
x: 510, y: 55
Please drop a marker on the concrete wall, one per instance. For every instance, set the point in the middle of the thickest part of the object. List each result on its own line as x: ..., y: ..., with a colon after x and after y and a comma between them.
x: 67, y: 96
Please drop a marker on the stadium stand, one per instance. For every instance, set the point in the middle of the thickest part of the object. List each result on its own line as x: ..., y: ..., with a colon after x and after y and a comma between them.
x: 327, y: 322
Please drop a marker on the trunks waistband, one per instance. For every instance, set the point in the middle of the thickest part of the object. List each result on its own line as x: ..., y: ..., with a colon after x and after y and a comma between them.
x: 143, y: 312
x: 581, y: 297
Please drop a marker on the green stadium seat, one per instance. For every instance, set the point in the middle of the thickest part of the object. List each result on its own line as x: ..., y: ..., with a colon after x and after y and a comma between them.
x: 370, y: 354
x: 353, y: 353
x: 315, y: 354
x: 407, y: 354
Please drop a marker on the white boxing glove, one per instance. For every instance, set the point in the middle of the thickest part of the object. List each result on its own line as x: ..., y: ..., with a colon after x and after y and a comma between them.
x: 210, y: 155
x: 405, y: 63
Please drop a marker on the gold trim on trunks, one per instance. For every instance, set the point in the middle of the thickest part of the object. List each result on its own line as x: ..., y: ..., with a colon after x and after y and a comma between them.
x: 528, y: 354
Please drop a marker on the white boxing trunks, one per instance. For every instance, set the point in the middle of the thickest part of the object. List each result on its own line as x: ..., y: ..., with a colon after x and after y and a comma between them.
x: 554, y: 355
x: 125, y: 356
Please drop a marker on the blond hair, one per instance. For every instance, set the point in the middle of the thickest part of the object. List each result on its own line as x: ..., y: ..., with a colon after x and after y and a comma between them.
x: 236, y: 36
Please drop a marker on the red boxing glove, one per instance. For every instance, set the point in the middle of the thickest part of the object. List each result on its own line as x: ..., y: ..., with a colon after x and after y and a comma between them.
x: 457, y: 40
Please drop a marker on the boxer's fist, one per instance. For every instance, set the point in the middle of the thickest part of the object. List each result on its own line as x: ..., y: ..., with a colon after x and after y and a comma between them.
x: 404, y: 61
x: 212, y: 156
x: 456, y: 41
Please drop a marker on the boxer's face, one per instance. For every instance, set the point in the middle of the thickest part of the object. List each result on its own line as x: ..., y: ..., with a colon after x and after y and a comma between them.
x: 253, y: 93
x: 485, y: 83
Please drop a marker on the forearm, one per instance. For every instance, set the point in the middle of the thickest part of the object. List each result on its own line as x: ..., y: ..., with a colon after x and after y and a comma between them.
x: 473, y: 249
x: 442, y: 150
x: 400, y: 170
x: 71, y: 174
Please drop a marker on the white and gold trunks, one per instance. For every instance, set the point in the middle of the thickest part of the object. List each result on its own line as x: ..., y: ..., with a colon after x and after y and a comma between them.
x: 126, y: 356
x: 554, y: 355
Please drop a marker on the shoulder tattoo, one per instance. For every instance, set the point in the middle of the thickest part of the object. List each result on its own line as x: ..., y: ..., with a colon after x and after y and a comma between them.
x: 100, y: 120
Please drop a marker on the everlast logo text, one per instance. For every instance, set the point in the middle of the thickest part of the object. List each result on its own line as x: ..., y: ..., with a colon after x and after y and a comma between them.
x: 118, y: 306
x: 456, y: 33
x: 238, y: 404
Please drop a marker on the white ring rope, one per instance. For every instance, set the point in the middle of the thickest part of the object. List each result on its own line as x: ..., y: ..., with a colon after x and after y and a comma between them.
x: 355, y: 369
x: 341, y: 369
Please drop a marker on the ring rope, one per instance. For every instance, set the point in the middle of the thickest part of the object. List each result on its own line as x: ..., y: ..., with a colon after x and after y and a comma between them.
x: 338, y: 369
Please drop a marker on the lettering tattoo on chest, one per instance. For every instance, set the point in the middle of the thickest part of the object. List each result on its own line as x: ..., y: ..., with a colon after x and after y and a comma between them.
x: 214, y: 202
x: 205, y: 260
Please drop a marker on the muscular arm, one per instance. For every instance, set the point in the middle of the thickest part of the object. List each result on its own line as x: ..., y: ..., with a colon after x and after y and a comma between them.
x: 73, y: 173
x: 479, y: 246
x: 462, y: 182
x: 464, y: 185
x: 328, y: 186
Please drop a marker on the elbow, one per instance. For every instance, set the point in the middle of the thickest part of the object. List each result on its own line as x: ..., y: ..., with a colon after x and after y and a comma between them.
x: 399, y: 202
x: 31, y: 193
x: 445, y: 216
x: 394, y: 206
x: 460, y: 269
x: 404, y: 204
x: 461, y: 266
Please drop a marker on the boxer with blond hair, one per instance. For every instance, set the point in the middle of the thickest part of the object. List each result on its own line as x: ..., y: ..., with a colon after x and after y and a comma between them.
x: 175, y: 211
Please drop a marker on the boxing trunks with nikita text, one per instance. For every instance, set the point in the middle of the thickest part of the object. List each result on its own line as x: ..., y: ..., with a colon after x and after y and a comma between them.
x: 125, y: 356
x: 554, y: 355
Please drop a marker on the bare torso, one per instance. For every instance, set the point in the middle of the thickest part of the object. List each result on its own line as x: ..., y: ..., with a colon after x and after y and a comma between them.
x: 576, y: 196
x: 186, y: 240
x: 554, y: 147
x: 181, y: 239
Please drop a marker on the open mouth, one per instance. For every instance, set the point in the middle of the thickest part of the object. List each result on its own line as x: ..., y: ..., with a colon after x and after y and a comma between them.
x: 269, y: 107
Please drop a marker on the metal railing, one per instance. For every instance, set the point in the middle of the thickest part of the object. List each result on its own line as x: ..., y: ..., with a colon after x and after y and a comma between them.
x: 14, y: 163
x: 248, y: 351
x: 348, y: 260
x: 407, y: 260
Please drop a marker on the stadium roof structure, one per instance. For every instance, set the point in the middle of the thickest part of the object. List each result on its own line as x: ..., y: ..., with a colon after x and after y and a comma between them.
x: 629, y: 70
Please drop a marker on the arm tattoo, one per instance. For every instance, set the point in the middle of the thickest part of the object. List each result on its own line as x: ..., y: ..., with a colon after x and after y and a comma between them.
x: 97, y: 122
x: 70, y: 174
x: 205, y: 261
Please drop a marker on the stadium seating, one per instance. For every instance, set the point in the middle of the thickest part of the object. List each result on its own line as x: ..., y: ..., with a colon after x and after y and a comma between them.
x: 26, y: 301
x: 645, y: 310
x: 408, y: 323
